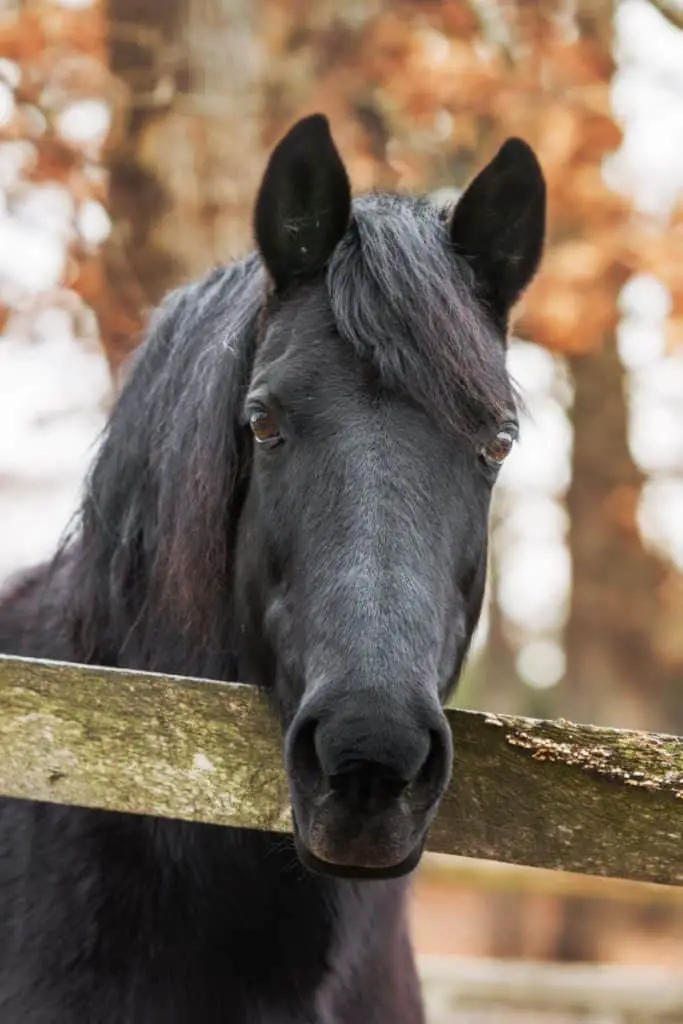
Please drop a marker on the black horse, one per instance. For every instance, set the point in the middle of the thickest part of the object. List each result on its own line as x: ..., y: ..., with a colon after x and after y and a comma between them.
x: 293, y: 490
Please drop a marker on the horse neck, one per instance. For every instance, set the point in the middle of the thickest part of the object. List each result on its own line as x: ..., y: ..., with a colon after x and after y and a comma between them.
x: 262, y: 923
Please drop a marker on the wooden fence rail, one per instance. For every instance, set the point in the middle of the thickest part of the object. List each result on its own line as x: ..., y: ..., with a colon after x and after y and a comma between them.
x: 546, y: 794
x: 464, y: 989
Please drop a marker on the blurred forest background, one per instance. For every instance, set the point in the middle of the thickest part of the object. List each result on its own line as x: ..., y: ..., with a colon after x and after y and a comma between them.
x: 132, y: 137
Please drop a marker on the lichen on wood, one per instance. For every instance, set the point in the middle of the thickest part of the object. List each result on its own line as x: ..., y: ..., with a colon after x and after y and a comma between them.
x: 140, y: 742
x: 546, y: 794
x: 565, y: 796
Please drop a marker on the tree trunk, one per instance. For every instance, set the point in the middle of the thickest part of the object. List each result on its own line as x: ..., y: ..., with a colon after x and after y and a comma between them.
x: 184, y: 169
x: 613, y: 673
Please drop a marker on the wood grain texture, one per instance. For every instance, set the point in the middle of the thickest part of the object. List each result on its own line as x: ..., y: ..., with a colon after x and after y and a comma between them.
x: 497, y: 878
x: 546, y: 794
x: 538, y: 992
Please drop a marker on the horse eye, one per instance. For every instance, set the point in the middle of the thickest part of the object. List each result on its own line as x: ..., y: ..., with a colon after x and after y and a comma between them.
x: 495, y: 452
x: 265, y: 429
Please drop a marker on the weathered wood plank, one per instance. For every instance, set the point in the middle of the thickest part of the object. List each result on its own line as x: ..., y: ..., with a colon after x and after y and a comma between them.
x: 489, y: 876
x: 563, y: 796
x: 533, y: 991
x: 546, y: 794
x: 139, y: 742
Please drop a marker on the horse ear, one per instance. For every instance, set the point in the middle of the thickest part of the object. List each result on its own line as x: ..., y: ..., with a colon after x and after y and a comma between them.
x: 304, y: 203
x: 498, y: 225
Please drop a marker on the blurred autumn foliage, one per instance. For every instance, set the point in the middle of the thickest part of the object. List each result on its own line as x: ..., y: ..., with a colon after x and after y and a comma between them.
x: 65, y: 104
x: 419, y: 95
x: 422, y: 93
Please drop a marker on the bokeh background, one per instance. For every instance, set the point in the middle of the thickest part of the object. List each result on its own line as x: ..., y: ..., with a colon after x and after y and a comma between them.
x: 132, y: 137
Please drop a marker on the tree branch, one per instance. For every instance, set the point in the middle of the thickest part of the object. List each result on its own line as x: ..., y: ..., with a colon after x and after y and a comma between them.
x: 672, y: 10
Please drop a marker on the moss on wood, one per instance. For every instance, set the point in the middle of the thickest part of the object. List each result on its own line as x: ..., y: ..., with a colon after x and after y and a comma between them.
x: 546, y: 794
x: 564, y: 796
x: 138, y: 742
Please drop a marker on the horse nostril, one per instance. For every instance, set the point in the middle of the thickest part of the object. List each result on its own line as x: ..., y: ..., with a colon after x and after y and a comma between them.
x: 304, y: 762
x: 365, y: 785
x: 433, y: 775
x: 368, y: 763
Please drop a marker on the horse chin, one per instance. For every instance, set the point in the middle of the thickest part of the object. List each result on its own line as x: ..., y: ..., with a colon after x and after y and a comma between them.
x: 380, y: 868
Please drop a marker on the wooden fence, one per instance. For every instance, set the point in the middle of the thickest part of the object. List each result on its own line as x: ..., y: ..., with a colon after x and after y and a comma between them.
x: 484, y: 991
x: 546, y: 794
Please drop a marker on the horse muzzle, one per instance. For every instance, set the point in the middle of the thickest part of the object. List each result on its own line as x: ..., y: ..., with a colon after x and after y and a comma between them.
x: 365, y: 786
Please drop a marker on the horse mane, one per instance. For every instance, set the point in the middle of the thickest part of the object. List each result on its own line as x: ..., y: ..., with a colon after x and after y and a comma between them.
x: 153, y: 555
x: 157, y: 521
x: 408, y: 302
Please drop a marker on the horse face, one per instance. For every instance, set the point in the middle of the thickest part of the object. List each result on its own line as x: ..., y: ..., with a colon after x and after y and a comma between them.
x: 362, y: 546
